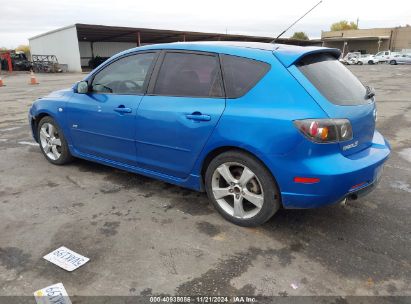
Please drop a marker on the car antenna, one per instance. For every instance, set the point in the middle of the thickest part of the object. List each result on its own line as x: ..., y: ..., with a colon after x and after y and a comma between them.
x: 296, y: 22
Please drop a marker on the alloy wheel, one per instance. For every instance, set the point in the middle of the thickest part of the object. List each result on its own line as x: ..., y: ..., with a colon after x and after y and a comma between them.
x: 50, y: 141
x: 237, y: 190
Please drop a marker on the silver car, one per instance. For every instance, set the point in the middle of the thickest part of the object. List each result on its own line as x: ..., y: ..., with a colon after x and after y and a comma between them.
x: 401, y: 59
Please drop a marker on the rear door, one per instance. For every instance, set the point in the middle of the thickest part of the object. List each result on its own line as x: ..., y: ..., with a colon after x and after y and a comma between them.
x: 183, y: 105
x: 341, y: 95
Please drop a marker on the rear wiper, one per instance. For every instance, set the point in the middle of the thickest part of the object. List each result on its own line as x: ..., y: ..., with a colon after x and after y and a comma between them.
x: 370, y: 92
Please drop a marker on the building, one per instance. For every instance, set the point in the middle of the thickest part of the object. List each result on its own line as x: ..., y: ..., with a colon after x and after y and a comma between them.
x: 369, y: 41
x: 76, y: 44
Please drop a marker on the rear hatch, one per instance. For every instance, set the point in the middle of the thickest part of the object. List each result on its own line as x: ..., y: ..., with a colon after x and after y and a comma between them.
x: 340, y: 94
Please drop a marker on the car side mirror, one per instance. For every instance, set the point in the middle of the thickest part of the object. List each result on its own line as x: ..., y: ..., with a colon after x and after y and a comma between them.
x: 82, y: 87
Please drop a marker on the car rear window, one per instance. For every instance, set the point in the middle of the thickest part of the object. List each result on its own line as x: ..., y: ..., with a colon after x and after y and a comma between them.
x: 241, y: 74
x: 334, y: 81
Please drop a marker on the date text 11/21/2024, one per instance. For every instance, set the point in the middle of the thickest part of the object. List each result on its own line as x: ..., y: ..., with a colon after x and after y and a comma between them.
x: 203, y: 299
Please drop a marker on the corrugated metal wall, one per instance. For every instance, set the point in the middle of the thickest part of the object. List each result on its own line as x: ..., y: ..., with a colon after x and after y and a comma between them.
x: 62, y: 43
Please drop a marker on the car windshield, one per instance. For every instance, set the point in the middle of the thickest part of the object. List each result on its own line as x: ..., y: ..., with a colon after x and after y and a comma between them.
x: 334, y: 81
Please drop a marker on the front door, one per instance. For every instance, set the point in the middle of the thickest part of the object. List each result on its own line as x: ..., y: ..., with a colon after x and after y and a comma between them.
x: 103, y: 122
x: 179, y: 113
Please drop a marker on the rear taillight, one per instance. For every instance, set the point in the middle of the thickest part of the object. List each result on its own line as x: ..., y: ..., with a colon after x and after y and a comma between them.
x: 325, y: 130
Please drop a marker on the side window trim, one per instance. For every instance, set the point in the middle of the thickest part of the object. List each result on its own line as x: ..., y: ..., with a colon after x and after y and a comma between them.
x: 160, y: 61
x: 155, y: 72
x: 146, y: 81
x: 223, y: 80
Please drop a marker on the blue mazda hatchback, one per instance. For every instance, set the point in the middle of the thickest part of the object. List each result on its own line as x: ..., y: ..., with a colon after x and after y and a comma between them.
x: 257, y: 126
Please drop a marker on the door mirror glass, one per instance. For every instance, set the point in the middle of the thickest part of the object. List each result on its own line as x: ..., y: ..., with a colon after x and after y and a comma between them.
x: 82, y: 87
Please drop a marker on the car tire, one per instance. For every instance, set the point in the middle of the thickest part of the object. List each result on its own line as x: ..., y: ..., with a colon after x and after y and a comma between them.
x: 359, y: 63
x: 52, y: 142
x: 370, y: 62
x: 393, y: 62
x: 242, y: 189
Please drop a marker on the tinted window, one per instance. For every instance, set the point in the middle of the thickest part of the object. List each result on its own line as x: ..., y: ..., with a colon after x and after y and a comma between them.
x: 184, y: 74
x: 124, y: 76
x: 241, y: 74
x: 334, y: 81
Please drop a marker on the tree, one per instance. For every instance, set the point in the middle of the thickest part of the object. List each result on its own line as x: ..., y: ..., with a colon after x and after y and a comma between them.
x: 25, y: 49
x: 300, y: 36
x: 344, y: 25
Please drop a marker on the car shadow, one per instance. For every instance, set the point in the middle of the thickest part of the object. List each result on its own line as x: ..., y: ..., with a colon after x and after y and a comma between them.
x: 170, y: 196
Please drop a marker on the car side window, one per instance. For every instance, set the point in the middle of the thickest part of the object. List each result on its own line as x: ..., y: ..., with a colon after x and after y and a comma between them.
x: 241, y: 74
x: 188, y: 74
x: 126, y: 75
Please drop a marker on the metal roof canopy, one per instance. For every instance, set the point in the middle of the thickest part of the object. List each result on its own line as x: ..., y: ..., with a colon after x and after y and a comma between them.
x: 141, y: 36
x: 361, y: 38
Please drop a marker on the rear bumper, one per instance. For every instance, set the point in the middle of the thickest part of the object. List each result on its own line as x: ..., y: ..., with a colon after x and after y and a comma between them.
x: 340, y: 176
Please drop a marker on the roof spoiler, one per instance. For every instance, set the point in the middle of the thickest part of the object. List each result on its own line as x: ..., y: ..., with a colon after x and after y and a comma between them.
x: 290, y: 55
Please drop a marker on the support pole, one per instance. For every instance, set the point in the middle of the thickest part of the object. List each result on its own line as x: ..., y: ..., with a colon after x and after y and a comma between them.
x: 92, y: 49
x: 343, y: 50
x: 138, y: 39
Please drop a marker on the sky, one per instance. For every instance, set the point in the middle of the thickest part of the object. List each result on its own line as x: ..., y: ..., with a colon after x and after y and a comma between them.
x: 21, y: 19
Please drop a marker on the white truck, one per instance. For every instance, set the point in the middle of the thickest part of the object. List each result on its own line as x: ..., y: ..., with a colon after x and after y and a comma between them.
x: 383, y: 56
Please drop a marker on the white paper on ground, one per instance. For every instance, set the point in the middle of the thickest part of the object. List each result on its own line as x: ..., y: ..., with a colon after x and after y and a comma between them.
x: 66, y: 258
x: 54, y: 294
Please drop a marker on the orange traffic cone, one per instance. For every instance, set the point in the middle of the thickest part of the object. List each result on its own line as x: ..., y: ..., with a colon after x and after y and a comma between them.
x: 33, y: 79
x: 1, y: 82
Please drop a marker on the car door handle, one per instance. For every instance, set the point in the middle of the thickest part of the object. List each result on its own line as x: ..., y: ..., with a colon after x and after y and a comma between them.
x: 122, y: 110
x: 197, y: 116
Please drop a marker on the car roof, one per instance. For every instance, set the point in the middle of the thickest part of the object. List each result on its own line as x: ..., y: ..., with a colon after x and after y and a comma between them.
x: 287, y: 54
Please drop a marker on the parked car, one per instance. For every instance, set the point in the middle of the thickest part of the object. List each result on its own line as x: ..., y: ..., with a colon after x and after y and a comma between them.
x: 17, y: 59
x: 401, y: 59
x: 391, y: 56
x: 257, y: 126
x: 20, y: 61
x: 350, y: 57
x: 363, y: 59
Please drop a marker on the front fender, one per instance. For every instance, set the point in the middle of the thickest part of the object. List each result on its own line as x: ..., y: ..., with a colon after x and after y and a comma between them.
x: 51, y: 105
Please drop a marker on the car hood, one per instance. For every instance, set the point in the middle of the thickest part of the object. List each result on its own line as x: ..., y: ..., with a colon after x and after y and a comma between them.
x: 59, y: 95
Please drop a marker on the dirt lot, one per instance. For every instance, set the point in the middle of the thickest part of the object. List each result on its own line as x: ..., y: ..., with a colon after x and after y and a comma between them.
x: 147, y: 237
